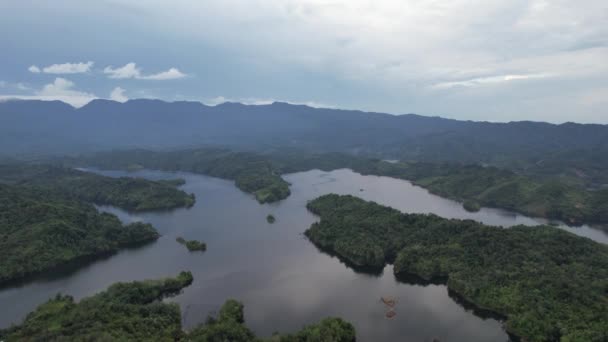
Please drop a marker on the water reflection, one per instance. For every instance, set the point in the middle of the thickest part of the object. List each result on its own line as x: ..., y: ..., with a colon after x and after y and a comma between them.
x: 284, y: 281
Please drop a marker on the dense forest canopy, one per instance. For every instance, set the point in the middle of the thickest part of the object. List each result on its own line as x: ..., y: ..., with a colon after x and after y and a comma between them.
x: 42, y: 229
x: 47, y: 218
x: 132, y: 311
x: 133, y: 194
x: 550, y: 284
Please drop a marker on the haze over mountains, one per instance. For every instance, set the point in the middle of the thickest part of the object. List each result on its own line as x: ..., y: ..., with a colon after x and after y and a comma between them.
x: 35, y: 127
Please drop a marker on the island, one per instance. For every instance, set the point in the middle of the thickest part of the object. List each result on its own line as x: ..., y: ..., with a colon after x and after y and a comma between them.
x: 270, y: 218
x: 41, y: 230
x: 192, y: 245
x: 471, y: 206
x: 133, y: 311
x: 549, y: 284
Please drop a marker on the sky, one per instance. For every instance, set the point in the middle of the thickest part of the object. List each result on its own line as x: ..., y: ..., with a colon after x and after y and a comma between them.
x: 490, y: 60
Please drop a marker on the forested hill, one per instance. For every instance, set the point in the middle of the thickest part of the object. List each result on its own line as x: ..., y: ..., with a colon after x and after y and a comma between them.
x: 41, y: 229
x: 43, y: 127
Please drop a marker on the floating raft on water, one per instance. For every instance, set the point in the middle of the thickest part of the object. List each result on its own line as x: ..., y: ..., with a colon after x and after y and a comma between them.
x: 390, y: 306
x: 388, y: 301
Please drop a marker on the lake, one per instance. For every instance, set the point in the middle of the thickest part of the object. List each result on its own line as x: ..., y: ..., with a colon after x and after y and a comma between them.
x: 282, y: 279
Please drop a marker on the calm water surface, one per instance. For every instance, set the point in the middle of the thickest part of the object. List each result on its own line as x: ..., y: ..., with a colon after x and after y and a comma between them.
x: 283, y: 280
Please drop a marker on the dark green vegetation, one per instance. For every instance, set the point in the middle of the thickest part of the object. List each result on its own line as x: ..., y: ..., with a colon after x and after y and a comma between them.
x: 476, y: 185
x: 270, y: 218
x: 472, y: 206
x: 229, y: 325
x: 132, y: 311
x: 47, y: 218
x: 125, y: 311
x: 41, y: 229
x: 551, y: 284
x: 133, y: 194
x: 252, y: 173
x: 192, y: 245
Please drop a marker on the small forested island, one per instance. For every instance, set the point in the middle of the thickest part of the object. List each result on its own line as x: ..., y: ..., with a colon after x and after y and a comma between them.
x: 133, y: 311
x: 42, y: 229
x: 270, y: 218
x: 471, y: 206
x: 192, y: 245
x: 548, y: 283
x: 133, y: 194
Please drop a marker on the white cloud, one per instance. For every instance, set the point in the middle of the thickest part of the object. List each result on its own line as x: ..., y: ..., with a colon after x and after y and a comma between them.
x: 263, y: 101
x: 22, y: 86
x: 34, y: 69
x: 118, y: 94
x: 18, y: 86
x: 474, y: 82
x: 130, y: 70
x: 61, y: 89
x: 170, y: 74
x: 68, y: 68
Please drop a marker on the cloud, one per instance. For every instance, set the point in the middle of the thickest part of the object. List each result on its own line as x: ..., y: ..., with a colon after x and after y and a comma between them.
x: 68, y: 68
x: 118, y: 94
x: 263, y: 101
x: 22, y: 86
x: 130, y: 70
x: 34, y: 69
x: 170, y: 74
x: 475, y: 82
x: 19, y: 86
x: 61, y: 89
x: 389, y: 55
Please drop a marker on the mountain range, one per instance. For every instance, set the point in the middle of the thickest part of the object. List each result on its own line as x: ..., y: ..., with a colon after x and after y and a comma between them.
x: 43, y: 127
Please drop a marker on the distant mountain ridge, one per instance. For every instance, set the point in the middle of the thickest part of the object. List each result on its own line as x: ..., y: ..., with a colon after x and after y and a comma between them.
x: 37, y: 127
